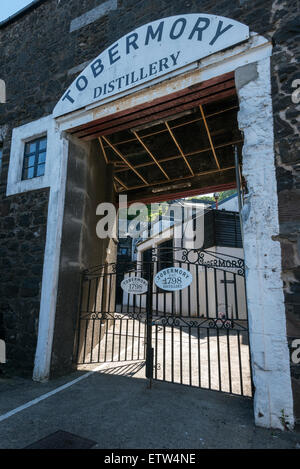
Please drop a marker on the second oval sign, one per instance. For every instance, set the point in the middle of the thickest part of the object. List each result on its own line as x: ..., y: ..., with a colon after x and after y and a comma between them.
x: 173, y: 278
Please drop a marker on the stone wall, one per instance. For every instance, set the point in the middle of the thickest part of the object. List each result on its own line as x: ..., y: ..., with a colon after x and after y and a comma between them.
x: 22, y: 239
x: 50, y: 44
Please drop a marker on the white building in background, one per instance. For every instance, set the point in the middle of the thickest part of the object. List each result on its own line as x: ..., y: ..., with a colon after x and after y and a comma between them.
x: 217, y: 236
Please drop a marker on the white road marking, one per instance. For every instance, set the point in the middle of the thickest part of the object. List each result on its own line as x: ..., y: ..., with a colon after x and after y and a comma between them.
x: 49, y: 394
x: 55, y: 391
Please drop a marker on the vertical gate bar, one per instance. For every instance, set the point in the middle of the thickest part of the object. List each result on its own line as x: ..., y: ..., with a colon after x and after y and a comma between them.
x: 216, y: 291
x: 197, y: 290
x: 106, y: 339
x: 149, y: 353
x: 219, y: 360
x: 101, y: 320
x: 156, y: 350
x: 208, y: 358
x: 145, y: 336
x: 225, y: 292
x: 172, y: 353
x: 93, y: 328
x: 206, y: 292
x: 229, y: 361
x: 172, y: 337
x: 164, y: 352
x: 87, y: 321
x: 109, y: 292
x: 113, y: 340
x: 79, y: 319
x: 189, y: 293
x: 133, y: 325
x: 133, y: 341
x: 120, y: 340
x: 126, y: 339
x: 240, y: 363
x: 190, y: 356
x: 199, y: 356
x: 139, y: 334
x: 180, y: 354
x: 235, y: 297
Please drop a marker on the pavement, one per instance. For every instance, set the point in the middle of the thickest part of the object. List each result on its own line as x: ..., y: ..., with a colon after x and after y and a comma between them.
x: 115, y: 408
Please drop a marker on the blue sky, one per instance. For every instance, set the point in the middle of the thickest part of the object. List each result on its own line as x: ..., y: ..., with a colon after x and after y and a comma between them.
x: 9, y: 7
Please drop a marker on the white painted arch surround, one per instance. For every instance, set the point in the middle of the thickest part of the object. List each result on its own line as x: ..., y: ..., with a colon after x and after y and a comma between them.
x: 273, y: 402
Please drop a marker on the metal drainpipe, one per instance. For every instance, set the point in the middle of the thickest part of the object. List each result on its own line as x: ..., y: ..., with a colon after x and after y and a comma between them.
x: 238, y: 185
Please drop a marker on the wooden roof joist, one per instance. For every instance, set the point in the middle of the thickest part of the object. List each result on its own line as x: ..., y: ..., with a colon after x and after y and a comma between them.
x: 203, y: 93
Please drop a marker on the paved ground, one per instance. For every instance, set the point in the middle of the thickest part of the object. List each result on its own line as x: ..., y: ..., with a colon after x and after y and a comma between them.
x: 114, y: 408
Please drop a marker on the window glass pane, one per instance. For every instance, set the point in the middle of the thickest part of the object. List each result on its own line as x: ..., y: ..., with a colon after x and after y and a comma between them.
x: 40, y: 170
x: 29, y: 161
x: 28, y: 173
x: 42, y: 157
x: 30, y: 147
x: 43, y: 144
x: 34, y: 158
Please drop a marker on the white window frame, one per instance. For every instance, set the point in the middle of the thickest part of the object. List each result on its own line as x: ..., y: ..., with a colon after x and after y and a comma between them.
x: 43, y: 127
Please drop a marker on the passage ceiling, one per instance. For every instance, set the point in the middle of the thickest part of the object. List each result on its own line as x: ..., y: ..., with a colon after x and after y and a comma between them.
x: 182, y: 143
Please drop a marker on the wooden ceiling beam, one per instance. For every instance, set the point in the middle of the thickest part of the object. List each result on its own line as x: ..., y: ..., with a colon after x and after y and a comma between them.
x: 160, y: 112
x: 103, y: 150
x: 203, y: 173
x: 209, y: 136
x: 120, y: 182
x: 125, y: 161
x: 177, y: 157
x: 179, y: 148
x: 151, y: 154
x: 172, y: 127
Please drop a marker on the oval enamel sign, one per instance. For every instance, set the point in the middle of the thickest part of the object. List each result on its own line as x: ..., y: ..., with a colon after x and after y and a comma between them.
x: 134, y: 285
x: 173, y: 278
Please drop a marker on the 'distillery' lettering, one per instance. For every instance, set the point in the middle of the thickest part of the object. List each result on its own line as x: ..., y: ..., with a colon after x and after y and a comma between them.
x: 152, y: 34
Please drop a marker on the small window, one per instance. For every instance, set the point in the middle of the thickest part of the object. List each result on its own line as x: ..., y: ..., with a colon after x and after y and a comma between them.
x: 34, y: 158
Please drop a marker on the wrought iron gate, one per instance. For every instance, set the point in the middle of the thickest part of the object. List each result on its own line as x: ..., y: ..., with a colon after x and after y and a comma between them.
x: 197, y: 336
